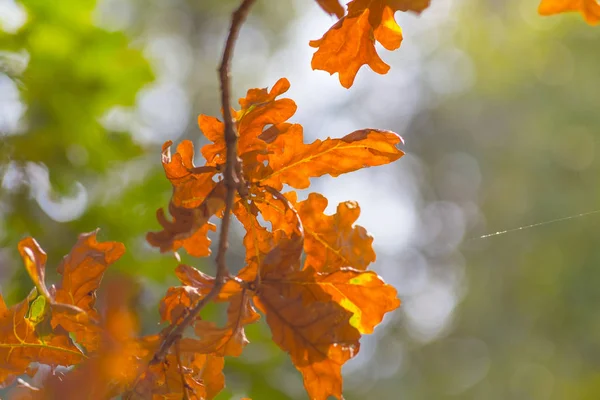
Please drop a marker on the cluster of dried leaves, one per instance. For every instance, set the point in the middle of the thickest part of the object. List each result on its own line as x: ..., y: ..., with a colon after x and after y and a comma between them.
x: 317, y: 309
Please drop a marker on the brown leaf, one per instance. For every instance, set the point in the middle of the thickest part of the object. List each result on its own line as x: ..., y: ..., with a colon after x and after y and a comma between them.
x: 203, y: 283
x: 118, y: 361
x: 332, y: 7
x: 258, y: 240
x: 315, y: 331
x: 191, y: 184
x: 258, y: 109
x: 317, y: 336
x: 25, y: 337
x: 296, y: 162
x: 589, y: 9
x: 35, y: 262
x: 177, y: 302
x: 363, y: 293
x: 186, y: 375
x: 82, y: 271
x: 189, y: 227
x: 227, y: 341
x: 350, y: 43
x: 333, y: 241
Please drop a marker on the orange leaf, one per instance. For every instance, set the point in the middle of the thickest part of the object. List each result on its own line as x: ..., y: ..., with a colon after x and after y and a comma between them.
x: 317, y: 336
x: 332, y: 7
x: 264, y: 248
x: 590, y: 9
x: 227, y: 341
x: 350, y: 43
x: 259, y: 109
x: 182, y: 376
x: 314, y: 330
x: 191, y: 184
x: 177, y: 301
x: 332, y: 241
x: 292, y: 162
x: 82, y: 270
x: 203, y: 283
x: 25, y: 338
x: 119, y: 360
x: 35, y: 263
x: 190, y: 226
x: 363, y: 293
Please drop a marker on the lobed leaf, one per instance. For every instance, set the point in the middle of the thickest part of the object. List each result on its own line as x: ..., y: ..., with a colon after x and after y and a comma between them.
x: 363, y: 293
x: 258, y: 109
x: 27, y: 338
x: 190, y: 226
x: 82, y: 271
x: 115, y: 365
x: 333, y: 241
x: 350, y: 43
x: 292, y: 162
x: 332, y: 7
x: 34, y: 259
x: 227, y: 341
x: 589, y: 9
x: 317, y: 336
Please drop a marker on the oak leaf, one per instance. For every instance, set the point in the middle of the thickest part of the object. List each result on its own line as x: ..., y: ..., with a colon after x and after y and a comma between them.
x: 332, y: 241
x: 258, y: 109
x: 196, y: 197
x: 332, y: 7
x: 589, y: 9
x: 82, y: 271
x: 25, y: 338
x: 38, y: 329
x: 317, y: 333
x: 350, y: 43
x: 115, y: 365
x: 292, y: 162
x: 189, y: 227
x: 229, y: 340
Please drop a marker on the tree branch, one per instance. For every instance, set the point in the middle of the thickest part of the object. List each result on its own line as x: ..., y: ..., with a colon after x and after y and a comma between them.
x: 232, y: 179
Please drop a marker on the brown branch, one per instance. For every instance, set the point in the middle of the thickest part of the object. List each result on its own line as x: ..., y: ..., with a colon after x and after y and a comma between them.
x: 232, y: 179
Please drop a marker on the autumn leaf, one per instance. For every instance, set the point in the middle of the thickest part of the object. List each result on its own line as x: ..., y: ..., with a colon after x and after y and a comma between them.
x: 292, y: 162
x: 332, y: 7
x: 258, y: 109
x: 332, y: 241
x: 190, y: 226
x: 34, y: 259
x: 317, y: 335
x: 258, y: 240
x: 82, y: 271
x: 196, y: 197
x: 229, y: 340
x: 183, y: 375
x: 118, y: 361
x: 191, y: 184
x: 350, y: 43
x: 363, y: 293
x: 589, y: 9
x: 177, y: 302
x: 25, y: 337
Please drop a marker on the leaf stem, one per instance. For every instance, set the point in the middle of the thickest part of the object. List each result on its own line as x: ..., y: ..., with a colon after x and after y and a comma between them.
x: 232, y: 179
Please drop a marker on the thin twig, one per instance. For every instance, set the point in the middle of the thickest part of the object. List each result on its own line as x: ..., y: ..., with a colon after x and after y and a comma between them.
x: 232, y: 180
